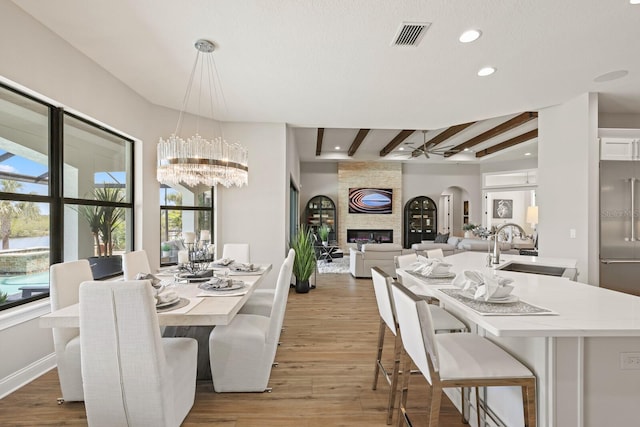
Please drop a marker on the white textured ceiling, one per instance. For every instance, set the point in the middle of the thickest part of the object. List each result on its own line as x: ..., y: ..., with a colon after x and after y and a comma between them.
x: 331, y: 63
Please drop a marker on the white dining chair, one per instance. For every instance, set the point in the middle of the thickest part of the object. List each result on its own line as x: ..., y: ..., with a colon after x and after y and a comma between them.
x: 454, y: 360
x: 64, y: 283
x: 239, y: 252
x: 435, y: 253
x: 262, y: 299
x: 242, y: 353
x: 132, y: 376
x: 381, y: 286
x: 135, y: 262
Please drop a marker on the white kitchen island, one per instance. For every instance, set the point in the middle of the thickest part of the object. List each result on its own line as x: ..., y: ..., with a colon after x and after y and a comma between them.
x: 576, y: 353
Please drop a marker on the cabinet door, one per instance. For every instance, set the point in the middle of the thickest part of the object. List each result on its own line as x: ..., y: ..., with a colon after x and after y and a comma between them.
x: 619, y: 149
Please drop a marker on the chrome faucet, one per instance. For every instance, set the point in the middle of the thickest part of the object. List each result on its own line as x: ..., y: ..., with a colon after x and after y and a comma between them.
x: 496, y: 248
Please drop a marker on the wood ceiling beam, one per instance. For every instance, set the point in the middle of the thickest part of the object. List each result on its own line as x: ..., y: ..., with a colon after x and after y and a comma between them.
x: 442, y: 136
x: 508, y: 143
x: 498, y: 130
x: 319, y: 141
x: 362, y: 133
x: 397, y: 140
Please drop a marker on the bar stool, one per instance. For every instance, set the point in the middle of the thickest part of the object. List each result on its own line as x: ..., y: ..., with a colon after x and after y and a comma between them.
x: 454, y: 360
x: 446, y: 323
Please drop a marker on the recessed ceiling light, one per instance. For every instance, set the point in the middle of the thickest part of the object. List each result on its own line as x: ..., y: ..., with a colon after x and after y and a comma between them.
x: 634, y: 1
x: 337, y: 147
x: 527, y: 154
x: 466, y: 149
x: 401, y: 148
x: 470, y: 36
x: 486, y: 71
x: 613, y: 75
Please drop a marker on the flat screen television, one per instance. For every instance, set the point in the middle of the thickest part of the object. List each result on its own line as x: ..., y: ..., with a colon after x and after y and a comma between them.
x: 370, y: 200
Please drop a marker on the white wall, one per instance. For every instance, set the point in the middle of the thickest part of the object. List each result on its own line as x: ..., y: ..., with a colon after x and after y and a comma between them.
x: 318, y: 179
x: 568, y: 183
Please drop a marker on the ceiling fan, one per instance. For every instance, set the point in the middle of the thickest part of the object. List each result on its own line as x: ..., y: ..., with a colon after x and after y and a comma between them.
x: 426, y: 149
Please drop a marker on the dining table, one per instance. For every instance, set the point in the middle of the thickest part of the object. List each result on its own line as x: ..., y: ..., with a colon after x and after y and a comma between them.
x: 196, y: 314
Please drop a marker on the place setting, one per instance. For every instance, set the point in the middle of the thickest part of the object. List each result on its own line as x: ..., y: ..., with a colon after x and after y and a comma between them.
x: 490, y: 294
x: 222, y: 285
x: 167, y: 299
x: 432, y: 269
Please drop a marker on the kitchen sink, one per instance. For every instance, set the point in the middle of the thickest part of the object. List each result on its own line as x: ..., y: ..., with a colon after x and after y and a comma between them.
x: 546, y: 270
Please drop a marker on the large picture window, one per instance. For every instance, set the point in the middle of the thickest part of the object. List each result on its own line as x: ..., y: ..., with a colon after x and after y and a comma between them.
x: 65, y: 194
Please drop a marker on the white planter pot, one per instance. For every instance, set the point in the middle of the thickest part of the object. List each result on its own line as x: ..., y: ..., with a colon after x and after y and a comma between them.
x: 468, y: 235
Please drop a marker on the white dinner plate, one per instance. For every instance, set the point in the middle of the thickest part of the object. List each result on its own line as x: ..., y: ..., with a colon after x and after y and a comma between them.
x: 235, y: 285
x: 440, y: 275
x: 168, y: 303
x: 185, y: 276
x: 503, y: 300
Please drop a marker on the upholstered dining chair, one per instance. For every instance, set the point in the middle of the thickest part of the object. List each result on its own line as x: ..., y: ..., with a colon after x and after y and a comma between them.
x: 435, y: 253
x: 242, y: 353
x: 132, y: 376
x: 446, y: 323
x: 64, y: 284
x: 135, y: 262
x: 262, y: 299
x: 238, y: 252
x: 454, y: 360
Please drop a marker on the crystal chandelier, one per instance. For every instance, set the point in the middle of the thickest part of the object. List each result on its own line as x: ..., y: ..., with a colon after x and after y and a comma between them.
x: 199, y: 160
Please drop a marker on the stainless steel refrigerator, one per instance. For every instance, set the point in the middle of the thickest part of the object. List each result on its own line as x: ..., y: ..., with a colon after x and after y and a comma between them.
x: 620, y: 225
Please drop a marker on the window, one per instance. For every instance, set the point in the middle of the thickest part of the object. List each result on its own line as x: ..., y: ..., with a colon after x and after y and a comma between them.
x: 185, y: 209
x: 47, y: 186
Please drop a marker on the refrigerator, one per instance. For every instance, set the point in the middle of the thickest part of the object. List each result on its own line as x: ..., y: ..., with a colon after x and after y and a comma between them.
x: 620, y: 225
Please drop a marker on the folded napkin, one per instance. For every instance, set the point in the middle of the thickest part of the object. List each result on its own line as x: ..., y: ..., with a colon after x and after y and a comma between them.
x: 155, y: 282
x: 216, y: 283
x: 243, y: 267
x: 223, y: 261
x: 431, y: 266
x: 166, y: 296
x: 483, y: 286
x: 198, y: 274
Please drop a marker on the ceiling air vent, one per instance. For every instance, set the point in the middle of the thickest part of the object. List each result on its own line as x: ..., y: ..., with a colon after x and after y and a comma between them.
x: 410, y: 33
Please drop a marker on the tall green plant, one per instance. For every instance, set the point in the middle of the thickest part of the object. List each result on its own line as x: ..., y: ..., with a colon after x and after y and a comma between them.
x: 103, y: 220
x: 304, y: 263
x: 323, y: 232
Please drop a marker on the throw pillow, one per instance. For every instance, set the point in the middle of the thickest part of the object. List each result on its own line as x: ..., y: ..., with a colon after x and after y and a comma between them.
x: 441, y: 238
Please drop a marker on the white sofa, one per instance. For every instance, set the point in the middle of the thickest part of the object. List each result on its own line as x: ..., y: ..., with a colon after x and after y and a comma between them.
x: 457, y: 244
x: 374, y: 255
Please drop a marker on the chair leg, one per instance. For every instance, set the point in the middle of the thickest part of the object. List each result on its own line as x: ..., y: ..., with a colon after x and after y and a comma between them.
x: 397, y: 353
x: 379, y: 356
x: 436, y: 399
x: 477, y: 406
x: 404, y: 390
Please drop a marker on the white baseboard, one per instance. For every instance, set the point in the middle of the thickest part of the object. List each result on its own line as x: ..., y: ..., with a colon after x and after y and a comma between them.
x: 27, y: 374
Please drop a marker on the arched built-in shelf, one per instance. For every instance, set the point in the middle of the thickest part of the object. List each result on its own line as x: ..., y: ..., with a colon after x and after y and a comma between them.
x: 420, y: 220
x: 322, y: 210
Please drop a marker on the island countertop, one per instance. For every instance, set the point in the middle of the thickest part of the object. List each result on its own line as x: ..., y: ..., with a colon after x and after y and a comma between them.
x: 581, y: 310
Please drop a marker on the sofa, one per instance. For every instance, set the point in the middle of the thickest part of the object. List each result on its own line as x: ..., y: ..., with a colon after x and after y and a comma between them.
x: 458, y: 244
x: 374, y: 255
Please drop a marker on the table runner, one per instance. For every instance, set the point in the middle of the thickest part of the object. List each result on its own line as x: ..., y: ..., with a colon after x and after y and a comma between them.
x: 519, y: 308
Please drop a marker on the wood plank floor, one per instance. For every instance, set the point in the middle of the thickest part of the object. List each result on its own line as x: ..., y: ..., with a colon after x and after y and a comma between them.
x: 324, y: 375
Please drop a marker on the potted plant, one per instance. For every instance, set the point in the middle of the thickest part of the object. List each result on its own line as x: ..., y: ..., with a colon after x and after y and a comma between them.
x: 323, y: 233
x: 103, y: 222
x: 166, y: 250
x: 468, y: 230
x: 304, y: 263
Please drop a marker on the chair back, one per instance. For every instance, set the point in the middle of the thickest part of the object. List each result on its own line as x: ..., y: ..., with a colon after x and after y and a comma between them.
x: 381, y: 281
x: 435, y: 253
x: 64, y: 284
x: 135, y: 262
x: 401, y: 261
x: 416, y: 328
x: 124, y: 370
x: 280, y: 298
x: 238, y: 252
